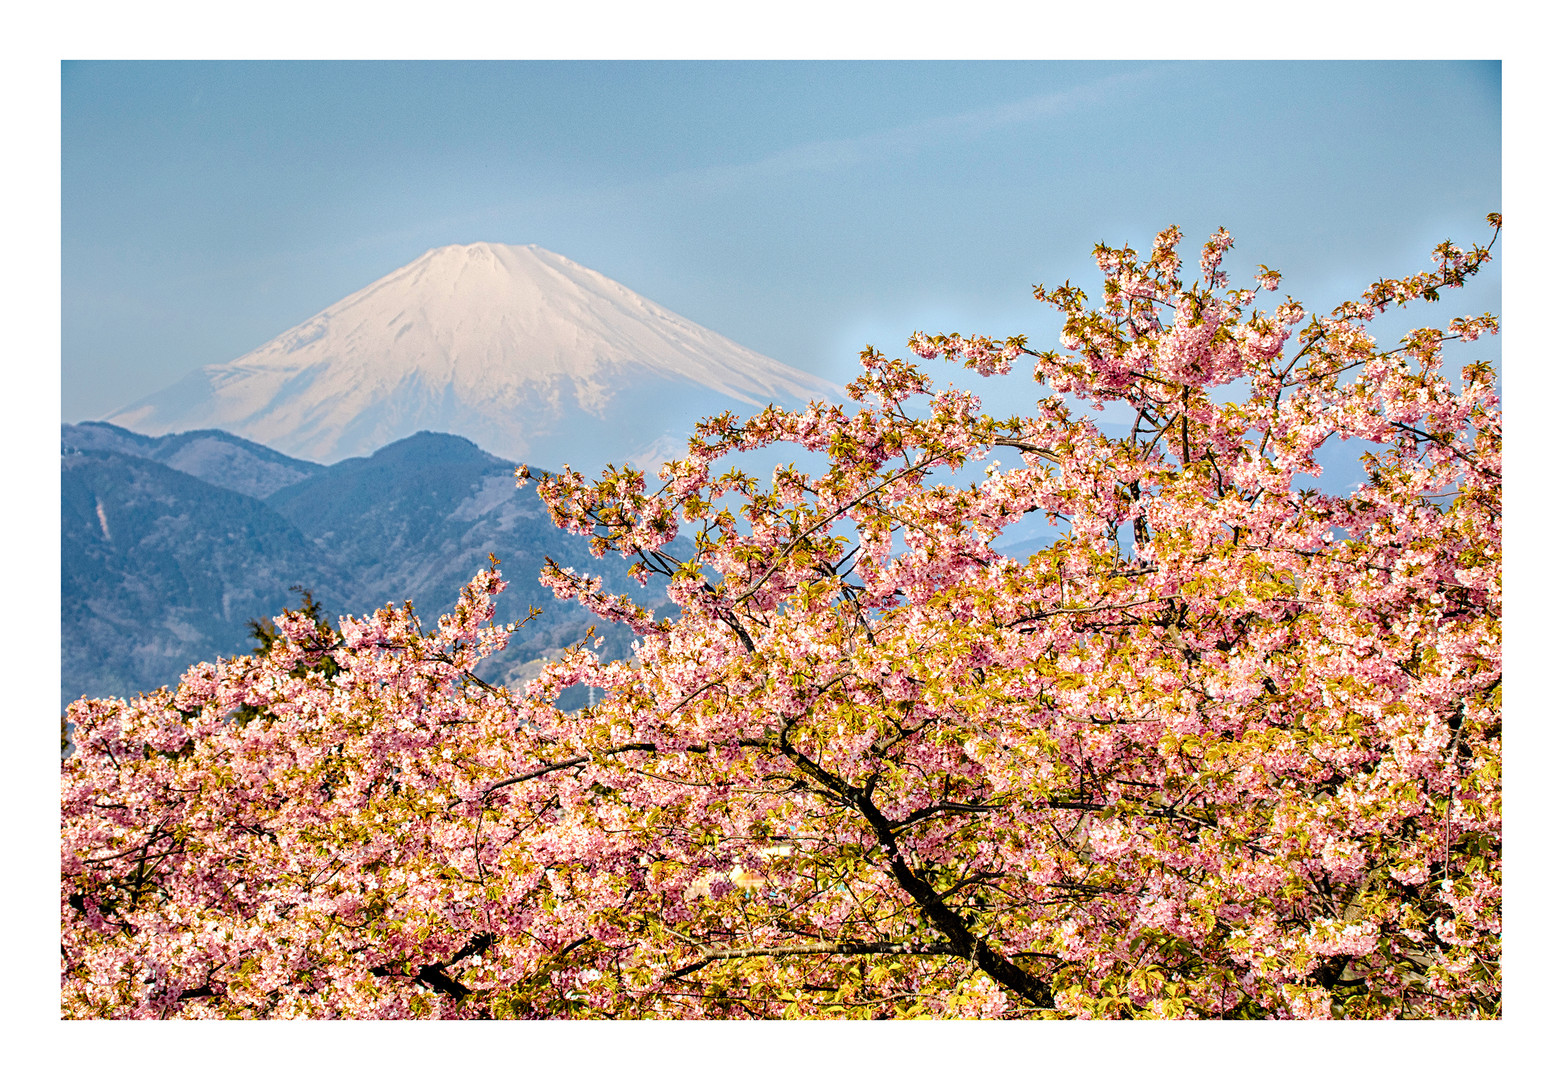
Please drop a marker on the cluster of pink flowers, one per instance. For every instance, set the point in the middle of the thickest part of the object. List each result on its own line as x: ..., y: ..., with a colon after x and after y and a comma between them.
x: 1214, y: 251
x: 982, y: 354
x: 1228, y: 748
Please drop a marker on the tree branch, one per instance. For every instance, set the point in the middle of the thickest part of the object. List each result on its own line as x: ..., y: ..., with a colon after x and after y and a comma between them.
x: 835, y: 515
x: 433, y: 975
x: 837, y: 948
x: 934, y: 909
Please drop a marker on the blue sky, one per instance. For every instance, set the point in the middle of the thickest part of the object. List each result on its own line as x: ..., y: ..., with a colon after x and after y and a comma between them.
x: 802, y: 209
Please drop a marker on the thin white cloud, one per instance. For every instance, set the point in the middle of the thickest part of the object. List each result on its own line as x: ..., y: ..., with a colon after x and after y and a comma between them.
x: 819, y: 157
x: 828, y: 155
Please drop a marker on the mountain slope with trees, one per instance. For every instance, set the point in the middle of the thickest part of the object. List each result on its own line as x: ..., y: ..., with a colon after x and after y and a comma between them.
x: 162, y: 568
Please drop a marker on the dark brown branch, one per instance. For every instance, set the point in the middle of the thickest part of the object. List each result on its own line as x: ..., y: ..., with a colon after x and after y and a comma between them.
x: 835, y: 515
x: 578, y: 759
x: 582, y: 759
x: 1039, y: 616
x: 944, y: 919
x: 433, y: 975
x: 1445, y: 444
x: 942, y: 808
x: 836, y: 948
x: 1027, y: 448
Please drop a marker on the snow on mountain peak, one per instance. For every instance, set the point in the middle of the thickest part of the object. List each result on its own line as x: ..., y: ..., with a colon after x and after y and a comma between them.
x: 513, y: 346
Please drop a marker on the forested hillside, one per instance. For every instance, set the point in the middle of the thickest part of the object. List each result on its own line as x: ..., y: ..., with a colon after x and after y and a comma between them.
x: 170, y: 546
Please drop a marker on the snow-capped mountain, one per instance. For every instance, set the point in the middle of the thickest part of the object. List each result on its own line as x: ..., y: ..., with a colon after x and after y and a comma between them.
x: 531, y: 356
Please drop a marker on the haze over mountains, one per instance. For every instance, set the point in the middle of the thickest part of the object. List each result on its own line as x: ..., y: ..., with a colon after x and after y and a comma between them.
x: 531, y: 356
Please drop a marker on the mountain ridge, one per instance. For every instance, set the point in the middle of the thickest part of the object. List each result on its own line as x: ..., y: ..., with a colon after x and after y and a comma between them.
x: 161, y: 568
x: 217, y: 457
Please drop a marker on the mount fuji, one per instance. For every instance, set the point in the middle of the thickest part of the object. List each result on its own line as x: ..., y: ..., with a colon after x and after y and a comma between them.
x: 531, y: 356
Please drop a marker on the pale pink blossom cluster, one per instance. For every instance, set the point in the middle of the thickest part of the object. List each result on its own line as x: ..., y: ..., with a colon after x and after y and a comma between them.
x: 1214, y: 251
x: 1229, y: 747
x: 981, y: 354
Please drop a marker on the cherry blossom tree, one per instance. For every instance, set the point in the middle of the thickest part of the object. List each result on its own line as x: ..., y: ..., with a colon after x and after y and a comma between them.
x: 1230, y: 747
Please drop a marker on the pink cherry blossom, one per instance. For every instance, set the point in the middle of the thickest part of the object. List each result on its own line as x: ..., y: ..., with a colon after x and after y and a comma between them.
x: 1228, y: 747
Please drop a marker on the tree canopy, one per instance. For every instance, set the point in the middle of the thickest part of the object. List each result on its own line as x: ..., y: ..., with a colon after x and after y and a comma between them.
x: 1229, y: 747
